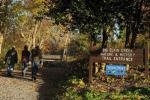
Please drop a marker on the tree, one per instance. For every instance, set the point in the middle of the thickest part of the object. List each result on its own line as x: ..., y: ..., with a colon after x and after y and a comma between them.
x: 93, y: 16
x: 4, y: 23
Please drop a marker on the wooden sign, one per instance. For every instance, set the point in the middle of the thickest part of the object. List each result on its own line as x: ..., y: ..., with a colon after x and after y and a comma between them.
x: 120, y: 56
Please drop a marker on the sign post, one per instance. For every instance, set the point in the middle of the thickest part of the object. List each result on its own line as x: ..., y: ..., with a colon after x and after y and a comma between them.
x: 90, y: 71
x: 147, y: 59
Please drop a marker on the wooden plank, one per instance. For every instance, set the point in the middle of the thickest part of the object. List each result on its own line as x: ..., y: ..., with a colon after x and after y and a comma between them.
x: 51, y: 57
x: 49, y: 60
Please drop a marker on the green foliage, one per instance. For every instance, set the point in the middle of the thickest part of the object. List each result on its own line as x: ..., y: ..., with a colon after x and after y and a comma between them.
x: 93, y: 16
x: 74, y: 81
x: 74, y: 92
x: 79, y: 45
x: 133, y: 94
x: 90, y: 95
x: 136, y: 90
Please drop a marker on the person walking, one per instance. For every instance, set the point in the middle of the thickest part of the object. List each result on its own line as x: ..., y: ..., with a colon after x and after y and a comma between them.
x: 25, y: 60
x: 11, y: 58
x: 36, y: 56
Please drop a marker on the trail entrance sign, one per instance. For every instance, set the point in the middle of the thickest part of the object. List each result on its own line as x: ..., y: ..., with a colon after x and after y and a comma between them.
x: 119, y: 56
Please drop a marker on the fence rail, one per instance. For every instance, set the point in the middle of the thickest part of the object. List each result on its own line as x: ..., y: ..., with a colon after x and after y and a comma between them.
x: 52, y: 57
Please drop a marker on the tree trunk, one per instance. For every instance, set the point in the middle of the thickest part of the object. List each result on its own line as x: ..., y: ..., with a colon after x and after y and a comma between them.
x: 34, y: 35
x: 128, y: 32
x: 1, y: 42
x: 105, y: 38
x: 138, y: 18
x: 134, y: 35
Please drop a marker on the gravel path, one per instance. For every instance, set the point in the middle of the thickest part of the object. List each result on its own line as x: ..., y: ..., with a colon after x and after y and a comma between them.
x: 19, y: 88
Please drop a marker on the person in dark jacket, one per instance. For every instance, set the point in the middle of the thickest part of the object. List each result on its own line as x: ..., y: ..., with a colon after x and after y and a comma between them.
x: 36, y: 56
x: 11, y: 59
x: 25, y: 59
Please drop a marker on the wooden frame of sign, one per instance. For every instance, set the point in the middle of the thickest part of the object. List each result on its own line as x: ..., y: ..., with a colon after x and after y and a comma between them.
x: 120, y: 56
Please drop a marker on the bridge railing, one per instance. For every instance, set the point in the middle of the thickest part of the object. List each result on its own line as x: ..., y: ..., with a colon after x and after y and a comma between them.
x: 52, y: 58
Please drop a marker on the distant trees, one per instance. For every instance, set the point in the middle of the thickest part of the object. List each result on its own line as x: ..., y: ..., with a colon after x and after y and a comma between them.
x: 98, y: 16
x: 24, y: 22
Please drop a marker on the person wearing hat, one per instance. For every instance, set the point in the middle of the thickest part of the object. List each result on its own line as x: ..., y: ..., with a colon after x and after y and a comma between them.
x: 36, y: 56
x: 11, y: 59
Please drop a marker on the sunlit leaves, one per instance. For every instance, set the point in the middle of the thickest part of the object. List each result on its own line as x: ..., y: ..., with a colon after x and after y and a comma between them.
x: 36, y: 7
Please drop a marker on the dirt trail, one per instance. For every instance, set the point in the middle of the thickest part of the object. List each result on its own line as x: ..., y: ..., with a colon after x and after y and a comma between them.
x: 46, y: 87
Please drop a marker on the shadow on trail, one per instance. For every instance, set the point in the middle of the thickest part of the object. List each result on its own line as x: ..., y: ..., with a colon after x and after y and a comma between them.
x: 17, y: 75
x: 48, y: 81
x: 52, y: 75
x: 51, y: 78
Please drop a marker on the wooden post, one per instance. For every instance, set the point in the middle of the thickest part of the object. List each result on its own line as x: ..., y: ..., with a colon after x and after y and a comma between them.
x: 127, y: 66
x: 90, y: 71
x: 91, y: 62
x: 147, y: 59
x: 96, y: 67
x: 103, y: 65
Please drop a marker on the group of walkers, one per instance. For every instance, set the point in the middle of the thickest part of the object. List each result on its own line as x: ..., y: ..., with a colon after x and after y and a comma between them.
x: 35, y: 56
